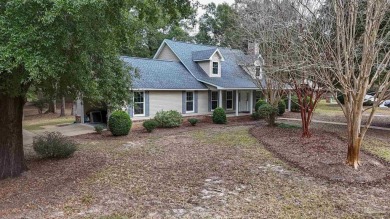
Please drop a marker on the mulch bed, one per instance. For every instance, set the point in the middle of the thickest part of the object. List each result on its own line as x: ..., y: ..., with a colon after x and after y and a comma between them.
x: 323, y: 155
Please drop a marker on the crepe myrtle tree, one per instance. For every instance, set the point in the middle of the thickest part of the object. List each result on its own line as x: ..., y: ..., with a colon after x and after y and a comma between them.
x: 343, y: 46
x: 67, y: 48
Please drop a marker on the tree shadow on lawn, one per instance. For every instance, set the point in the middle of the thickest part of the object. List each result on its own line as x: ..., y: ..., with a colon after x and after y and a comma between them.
x: 323, y: 155
x: 47, y: 182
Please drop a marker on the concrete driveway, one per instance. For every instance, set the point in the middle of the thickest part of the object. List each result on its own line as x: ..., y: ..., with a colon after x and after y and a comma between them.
x: 66, y: 129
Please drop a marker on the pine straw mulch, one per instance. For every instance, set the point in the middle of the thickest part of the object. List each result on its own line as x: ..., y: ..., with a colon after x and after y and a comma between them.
x: 323, y: 155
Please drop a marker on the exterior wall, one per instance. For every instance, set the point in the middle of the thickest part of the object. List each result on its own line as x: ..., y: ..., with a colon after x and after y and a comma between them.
x: 167, y: 54
x: 164, y: 100
x: 203, y: 102
x: 205, y: 65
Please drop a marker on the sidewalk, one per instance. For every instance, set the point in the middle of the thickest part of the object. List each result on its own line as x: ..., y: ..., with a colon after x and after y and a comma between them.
x: 333, y: 123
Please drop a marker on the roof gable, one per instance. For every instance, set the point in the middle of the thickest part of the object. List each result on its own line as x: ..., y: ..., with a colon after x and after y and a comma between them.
x: 232, y: 75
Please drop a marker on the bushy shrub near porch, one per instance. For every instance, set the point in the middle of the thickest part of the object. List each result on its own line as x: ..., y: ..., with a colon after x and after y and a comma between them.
x: 258, y: 104
x: 168, y: 119
x: 150, y: 125
x: 219, y: 116
x: 54, y: 145
x: 281, y: 108
x: 119, y: 123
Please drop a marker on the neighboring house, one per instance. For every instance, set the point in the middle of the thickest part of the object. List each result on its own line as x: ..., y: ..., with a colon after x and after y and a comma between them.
x: 194, y: 80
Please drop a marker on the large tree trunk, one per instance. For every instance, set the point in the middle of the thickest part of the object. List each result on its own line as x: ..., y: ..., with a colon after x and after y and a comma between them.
x: 11, y: 136
x: 63, y: 107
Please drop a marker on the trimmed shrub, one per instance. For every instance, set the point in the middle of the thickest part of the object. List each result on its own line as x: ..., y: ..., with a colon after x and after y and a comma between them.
x: 256, y: 116
x: 119, y: 123
x: 99, y: 129
x: 258, y: 104
x: 168, y: 119
x: 219, y: 116
x: 54, y: 145
x: 193, y: 121
x: 281, y: 108
x: 294, y: 103
x: 266, y: 110
x: 150, y: 125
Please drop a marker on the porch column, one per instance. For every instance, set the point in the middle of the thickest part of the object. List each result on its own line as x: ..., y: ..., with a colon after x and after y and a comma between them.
x: 80, y: 109
x: 289, y: 101
x: 220, y: 98
x: 236, y: 102
x: 251, y: 102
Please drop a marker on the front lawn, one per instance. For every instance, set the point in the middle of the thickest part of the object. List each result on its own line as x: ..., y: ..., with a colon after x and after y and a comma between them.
x: 206, y: 171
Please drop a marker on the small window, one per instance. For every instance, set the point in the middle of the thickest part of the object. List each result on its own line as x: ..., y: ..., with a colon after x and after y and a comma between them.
x: 215, y: 68
x: 139, y: 103
x: 214, y: 99
x: 190, y: 102
x: 229, y: 100
x: 258, y: 70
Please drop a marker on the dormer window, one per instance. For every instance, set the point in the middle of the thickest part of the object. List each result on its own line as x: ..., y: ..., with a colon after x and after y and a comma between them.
x: 215, y: 68
x: 258, y: 70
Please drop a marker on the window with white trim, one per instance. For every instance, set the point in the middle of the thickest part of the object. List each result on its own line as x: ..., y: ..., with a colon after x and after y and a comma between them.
x: 215, y: 68
x: 190, y: 102
x: 214, y: 99
x: 139, y: 103
x: 229, y: 100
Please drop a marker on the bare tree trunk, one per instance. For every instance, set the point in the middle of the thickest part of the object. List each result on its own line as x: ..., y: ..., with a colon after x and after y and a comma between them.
x: 63, y: 107
x: 11, y: 138
x: 52, y: 107
x: 72, y: 112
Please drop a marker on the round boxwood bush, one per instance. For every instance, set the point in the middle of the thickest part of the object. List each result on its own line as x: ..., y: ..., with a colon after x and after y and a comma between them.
x: 54, y: 145
x: 219, y: 116
x: 258, y: 104
x: 281, y: 108
x: 266, y: 110
x: 193, y: 121
x: 119, y: 123
x: 168, y: 119
x: 99, y: 129
x: 150, y: 125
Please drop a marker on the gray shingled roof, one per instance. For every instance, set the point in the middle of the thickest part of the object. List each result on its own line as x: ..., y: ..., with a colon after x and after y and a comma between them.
x: 159, y: 74
x: 232, y: 75
x: 202, y: 55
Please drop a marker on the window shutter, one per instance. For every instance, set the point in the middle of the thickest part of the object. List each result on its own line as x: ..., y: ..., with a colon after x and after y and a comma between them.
x: 130, y: 108
x: 183, y: 104
x: 146, y: 103
x: 209, y: 101
x: 196, y: 101
x: 224, y: 95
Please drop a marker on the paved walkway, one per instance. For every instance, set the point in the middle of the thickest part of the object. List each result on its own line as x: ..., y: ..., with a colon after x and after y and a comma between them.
x: 334, y: 123
x: 67, y: 130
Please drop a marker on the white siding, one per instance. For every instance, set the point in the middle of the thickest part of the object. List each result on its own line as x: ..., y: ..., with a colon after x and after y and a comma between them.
x: 205, y: 65
x: 172, y: 100
x: 167, y: 54
x: 203, y: 102
x: 164, y: 100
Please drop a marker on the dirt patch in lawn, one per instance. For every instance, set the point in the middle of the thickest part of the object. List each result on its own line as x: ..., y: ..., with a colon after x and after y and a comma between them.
x: 323, y: 155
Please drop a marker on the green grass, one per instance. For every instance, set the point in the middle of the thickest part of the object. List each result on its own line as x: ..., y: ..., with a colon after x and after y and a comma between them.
x: 378, y: 147
x: 38, y: 125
